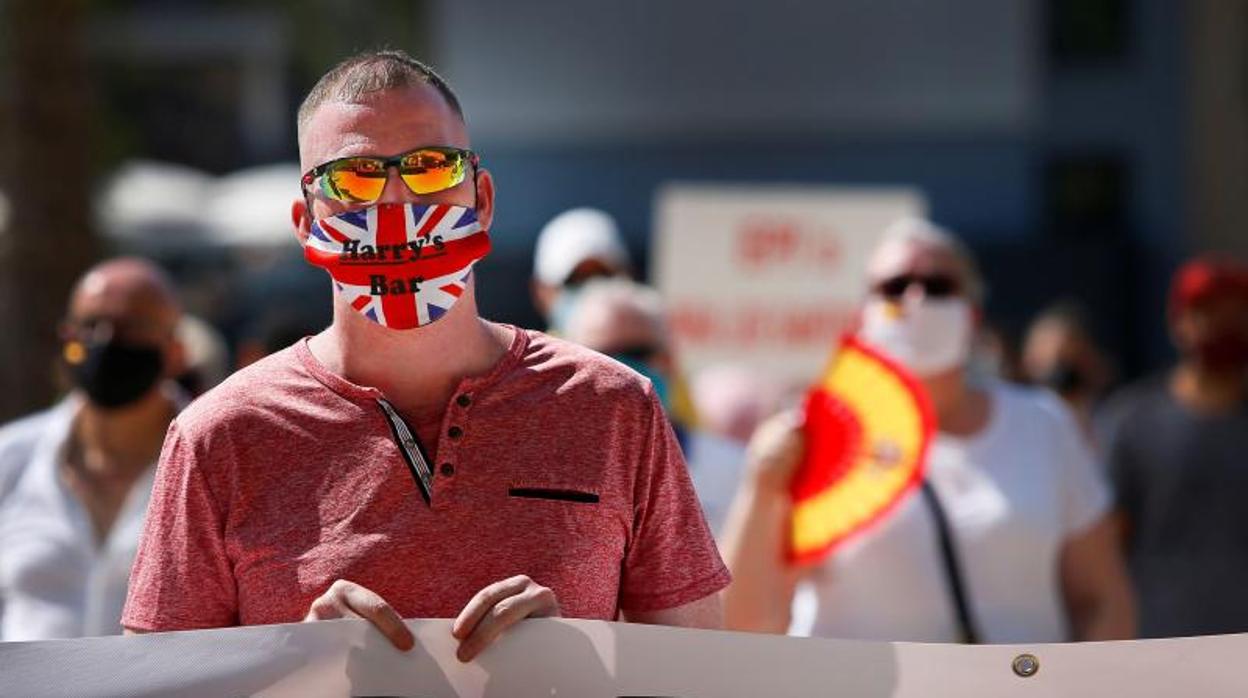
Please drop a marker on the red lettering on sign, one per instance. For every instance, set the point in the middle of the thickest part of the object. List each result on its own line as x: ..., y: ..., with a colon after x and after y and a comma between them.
x: 770, y: 241
x: 750, y: 326
x: 828, y: 251
x: 764, y: 241
x: 692, y: 324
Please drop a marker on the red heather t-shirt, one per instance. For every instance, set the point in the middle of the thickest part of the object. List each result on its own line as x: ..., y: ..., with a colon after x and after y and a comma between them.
x: 287, y: 477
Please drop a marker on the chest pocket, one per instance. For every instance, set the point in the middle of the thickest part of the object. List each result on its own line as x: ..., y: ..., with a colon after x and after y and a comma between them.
x: 557, y: 494
x: 567, y: 511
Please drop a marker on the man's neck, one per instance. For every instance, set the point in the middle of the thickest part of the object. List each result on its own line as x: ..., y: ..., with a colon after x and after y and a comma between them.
x: 417, y: 370
x: 109, y: 450
x: 961, y: 410
x: 120, y: 443
x: 1206, y: 390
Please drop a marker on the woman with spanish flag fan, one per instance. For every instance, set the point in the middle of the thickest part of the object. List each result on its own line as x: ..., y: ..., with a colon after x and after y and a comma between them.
x: 910, y: 500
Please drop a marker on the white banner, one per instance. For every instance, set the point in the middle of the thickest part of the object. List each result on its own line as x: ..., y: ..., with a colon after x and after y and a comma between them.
x: 586, y: 659
x: 767, y: 276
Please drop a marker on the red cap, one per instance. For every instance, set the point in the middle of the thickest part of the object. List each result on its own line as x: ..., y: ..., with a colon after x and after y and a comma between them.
x: 1205, y: 278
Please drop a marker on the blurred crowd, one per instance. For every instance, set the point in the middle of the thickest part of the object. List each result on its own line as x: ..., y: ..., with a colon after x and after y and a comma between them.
x: 1057, y: 503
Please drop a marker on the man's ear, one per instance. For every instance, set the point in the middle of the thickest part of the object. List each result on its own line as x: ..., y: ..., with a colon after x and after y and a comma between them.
x: 176, y: 358
x: 301, y: 220
x: 485, y: 198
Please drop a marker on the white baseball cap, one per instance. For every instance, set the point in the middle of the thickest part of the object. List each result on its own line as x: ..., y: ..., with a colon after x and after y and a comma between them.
x: 573, y: 237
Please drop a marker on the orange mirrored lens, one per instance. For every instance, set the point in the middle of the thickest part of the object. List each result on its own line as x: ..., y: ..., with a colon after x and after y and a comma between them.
x: 362, y: 180
x: 356, y: 180
x: 427, y: 171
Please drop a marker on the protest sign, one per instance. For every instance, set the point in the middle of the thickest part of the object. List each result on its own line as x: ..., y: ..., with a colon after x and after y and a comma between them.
x: 765, y: 276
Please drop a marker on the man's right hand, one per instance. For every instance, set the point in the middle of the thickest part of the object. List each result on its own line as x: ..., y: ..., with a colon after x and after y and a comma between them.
x: 346, y: 599
x: 753, y: 544
x: 775, y: 452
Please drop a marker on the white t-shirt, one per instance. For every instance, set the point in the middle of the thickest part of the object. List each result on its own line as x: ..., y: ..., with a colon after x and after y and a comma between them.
x: 715, y: 466
x: 55, y: 580
x: 1013, y: 493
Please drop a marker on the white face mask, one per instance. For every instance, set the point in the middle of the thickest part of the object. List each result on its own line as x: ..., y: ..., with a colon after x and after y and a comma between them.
x: 928, y: 336
x: 561, y: 310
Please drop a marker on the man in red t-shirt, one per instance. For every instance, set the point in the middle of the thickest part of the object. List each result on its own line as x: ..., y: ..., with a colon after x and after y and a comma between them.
x: 445, y: 465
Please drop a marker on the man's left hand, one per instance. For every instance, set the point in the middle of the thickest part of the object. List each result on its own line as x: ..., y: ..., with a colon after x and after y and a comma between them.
x: 498, y: 607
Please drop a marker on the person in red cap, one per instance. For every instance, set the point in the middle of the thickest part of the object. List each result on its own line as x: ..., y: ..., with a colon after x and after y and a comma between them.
x: 1177, y: 450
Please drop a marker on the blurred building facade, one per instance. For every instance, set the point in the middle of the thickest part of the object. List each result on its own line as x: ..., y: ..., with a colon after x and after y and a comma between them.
x: 1082, y: 146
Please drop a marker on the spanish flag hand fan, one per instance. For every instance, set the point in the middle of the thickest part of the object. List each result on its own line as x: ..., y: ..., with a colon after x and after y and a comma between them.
x: 868, y: 424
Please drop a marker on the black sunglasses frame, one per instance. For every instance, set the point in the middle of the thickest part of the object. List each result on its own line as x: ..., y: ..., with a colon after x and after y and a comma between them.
x: 934, y: 286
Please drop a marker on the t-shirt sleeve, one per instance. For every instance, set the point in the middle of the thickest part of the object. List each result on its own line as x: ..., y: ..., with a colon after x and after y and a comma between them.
x: 1084, y: 494
x: 1115, y: 440
x: 182, y: 578
x: 671, y: 558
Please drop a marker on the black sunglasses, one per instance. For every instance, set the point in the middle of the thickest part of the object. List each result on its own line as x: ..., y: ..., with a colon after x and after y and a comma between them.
x: 934, y: 286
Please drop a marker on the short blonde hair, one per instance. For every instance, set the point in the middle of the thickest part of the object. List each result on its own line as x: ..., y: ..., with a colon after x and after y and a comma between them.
x: 359, y: 76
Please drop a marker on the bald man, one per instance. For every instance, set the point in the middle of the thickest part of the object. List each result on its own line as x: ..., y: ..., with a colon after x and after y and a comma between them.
x: 75, y: 479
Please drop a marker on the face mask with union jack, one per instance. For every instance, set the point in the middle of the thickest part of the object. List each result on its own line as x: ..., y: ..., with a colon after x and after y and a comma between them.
x: 400, y: 265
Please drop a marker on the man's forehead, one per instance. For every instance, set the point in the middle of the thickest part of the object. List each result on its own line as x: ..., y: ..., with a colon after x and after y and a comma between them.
x: 102, y: 295
x: 382, y: 123
x: 913, y: 256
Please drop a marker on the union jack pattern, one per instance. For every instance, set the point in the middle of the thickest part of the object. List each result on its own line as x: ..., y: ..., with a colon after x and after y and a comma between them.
x: 400, y: 265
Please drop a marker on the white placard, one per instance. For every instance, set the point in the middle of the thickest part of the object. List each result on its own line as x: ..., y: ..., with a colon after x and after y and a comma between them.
x: 591, y: 659
x: 767, y: 276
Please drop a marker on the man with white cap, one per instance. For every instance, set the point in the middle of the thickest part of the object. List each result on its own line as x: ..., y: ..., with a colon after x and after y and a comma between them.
x: 577, y: 245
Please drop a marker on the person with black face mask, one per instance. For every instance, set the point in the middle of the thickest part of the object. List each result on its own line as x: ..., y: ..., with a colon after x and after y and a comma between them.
x: 1176, y: 447
x: 1060, y: 353
x: 79, y: 474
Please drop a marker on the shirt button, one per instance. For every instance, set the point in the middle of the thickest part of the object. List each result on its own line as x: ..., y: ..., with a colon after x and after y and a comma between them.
x: 447, y: 470
x: 463, y: 400
x: 454, y: 432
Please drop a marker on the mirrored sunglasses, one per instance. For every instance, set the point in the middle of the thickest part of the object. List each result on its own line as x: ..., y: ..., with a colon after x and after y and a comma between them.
x: 361, y: 179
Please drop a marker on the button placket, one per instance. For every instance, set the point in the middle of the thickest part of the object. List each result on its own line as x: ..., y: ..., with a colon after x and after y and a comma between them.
x: 412, y: 453
x: 447, y: 456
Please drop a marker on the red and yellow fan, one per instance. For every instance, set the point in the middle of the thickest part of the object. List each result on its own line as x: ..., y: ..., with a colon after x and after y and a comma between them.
x: 868, y: 424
